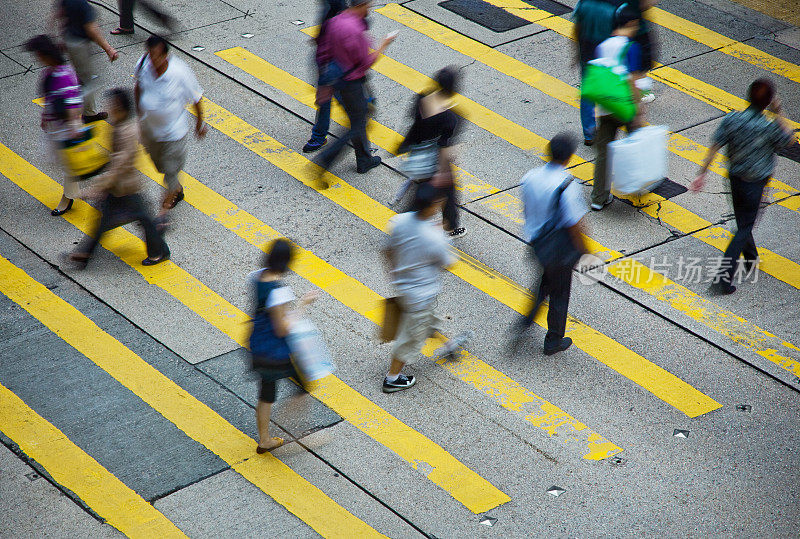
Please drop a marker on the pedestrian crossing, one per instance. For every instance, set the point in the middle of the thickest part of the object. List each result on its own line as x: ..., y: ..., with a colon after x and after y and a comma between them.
x: 128, y: 512
x: 630, y: 271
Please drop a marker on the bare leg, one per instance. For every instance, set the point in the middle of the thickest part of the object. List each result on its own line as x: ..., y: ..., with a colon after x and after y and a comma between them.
x: 396, y: 367
x: 263, y: 411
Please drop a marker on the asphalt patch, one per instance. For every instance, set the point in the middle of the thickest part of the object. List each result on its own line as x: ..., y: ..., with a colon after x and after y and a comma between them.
x: 550, y: 6
x: 489, y: 16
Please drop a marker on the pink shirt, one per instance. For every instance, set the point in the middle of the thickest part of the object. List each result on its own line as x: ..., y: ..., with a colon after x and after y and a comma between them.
x: 346, y: 41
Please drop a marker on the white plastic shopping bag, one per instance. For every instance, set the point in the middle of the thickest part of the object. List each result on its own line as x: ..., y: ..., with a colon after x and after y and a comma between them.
x: 638, y: 163
x: 309, y: 354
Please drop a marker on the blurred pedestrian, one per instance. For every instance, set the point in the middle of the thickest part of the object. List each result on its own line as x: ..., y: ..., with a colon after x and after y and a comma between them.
x: 624, y: 56
x: 79, y: 30
x: 432, y: 134
x: 126, y: 26
x: 61, y: 115
x: 646, y: 40
x: 416, y: 251
x: 164, y: 86
x: 554, y: 227
x: 119, y: 187
x: 272, y: 321
x: 594, y: 22
x: 347, y: 42
x: 329, y: 72
x: 752, y: 140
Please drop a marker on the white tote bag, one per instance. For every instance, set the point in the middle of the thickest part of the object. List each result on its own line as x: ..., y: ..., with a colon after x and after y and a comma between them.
x: 309, y: 354
x: 638, y: 163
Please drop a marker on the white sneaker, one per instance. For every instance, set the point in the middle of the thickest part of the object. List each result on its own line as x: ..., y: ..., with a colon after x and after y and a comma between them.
x: 649, y: 97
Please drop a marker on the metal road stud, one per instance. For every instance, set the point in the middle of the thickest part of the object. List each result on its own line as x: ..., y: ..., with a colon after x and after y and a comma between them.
x: 678, y: 433
x: 555, y: 491
x: 488, y: 521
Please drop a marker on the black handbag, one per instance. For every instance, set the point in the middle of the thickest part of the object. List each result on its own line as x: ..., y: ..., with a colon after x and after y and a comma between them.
x: 553, y: 246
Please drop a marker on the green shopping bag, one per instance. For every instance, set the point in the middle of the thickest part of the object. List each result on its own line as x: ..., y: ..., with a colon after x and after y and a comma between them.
x: 611, y: 91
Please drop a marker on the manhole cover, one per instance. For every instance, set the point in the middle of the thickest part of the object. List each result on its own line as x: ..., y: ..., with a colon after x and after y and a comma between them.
x: 668, y: 189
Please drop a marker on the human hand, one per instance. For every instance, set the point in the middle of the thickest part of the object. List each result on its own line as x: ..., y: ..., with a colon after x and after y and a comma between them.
x: 697, y: 185
x: 112, y: 54
x: 309, y: 297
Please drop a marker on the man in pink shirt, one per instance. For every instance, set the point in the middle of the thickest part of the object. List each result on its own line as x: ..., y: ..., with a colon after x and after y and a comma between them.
x: 347, y: 43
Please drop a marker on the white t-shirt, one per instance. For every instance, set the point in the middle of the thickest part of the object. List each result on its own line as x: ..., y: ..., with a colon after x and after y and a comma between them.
x: 163, y: 100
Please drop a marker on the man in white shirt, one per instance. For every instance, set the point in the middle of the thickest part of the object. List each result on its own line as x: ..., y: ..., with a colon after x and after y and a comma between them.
x: 539, y: 188
x: 416, y: 250
x: 164, y: 86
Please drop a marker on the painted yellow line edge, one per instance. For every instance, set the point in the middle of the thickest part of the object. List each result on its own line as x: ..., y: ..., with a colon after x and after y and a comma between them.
x: 473, y: 491
x: 194, y: 418
x: 702, y: 310
x: 661, y: 383
x: 678, y: 217
x: 72, y: 467
x: 350, y: 292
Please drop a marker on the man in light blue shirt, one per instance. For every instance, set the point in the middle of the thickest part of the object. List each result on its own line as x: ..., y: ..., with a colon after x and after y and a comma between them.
x: 539, y: 187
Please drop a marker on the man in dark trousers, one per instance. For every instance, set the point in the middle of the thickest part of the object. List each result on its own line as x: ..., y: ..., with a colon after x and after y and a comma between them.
x: 126, y: 16
x: 347, y: 43
x: 540, y: 186
x: 752, y: 140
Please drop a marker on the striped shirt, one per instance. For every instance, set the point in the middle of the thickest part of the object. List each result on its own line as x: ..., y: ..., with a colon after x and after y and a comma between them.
x: 752, y: 141
x: 60, y: 84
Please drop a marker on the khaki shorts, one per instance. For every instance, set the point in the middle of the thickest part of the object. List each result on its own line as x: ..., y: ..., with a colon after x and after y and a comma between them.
x: 415, y: 328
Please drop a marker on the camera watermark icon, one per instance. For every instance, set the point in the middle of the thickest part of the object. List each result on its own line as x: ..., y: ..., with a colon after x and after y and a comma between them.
x: 591, y: 269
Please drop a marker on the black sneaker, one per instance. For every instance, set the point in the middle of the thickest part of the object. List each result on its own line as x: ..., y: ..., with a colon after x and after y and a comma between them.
x: 558, y: 346
x: 404, y: 381
x: 456, y: 233
x: 374, y: 162
x: 313, y: 146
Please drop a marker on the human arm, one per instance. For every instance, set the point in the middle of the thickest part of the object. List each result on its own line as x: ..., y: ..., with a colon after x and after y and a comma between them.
x: 93, y: 31
x: 200, y: 126
x: 700, y: 180
x: 784, y: 135
x: 577, y: 233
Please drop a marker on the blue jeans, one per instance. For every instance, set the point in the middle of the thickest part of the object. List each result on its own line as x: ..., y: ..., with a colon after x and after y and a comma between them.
x: 328, y: 75
x: 588, y: 120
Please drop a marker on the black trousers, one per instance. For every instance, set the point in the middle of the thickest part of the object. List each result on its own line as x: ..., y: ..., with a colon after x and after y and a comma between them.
x: 450, y: 209
x: 555, y: 284
x: 354, y: 101
x: 746, y: 198
x: 126, y: 13
x: 117, y: 211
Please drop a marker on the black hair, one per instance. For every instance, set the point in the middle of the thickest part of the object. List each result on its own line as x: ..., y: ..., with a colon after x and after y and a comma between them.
x: 123, y: 99
x: 624, y: 15
x: 447, y: 79
x: 562, y: 146
x: 44, y: 46
x: 426, y: 196
x: 761, y: 93
x: 154, y: 40
x: 278, y: 258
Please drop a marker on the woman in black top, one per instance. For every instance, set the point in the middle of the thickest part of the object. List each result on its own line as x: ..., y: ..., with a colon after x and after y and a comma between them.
x: 434, y: 120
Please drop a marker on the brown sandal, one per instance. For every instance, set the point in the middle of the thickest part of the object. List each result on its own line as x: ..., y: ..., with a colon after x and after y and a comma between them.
x: 120, y: 31
x: 277, y: 443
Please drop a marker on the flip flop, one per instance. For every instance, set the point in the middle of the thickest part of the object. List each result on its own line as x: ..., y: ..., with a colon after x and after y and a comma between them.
x: 119, y: 31
x: 277, y: 441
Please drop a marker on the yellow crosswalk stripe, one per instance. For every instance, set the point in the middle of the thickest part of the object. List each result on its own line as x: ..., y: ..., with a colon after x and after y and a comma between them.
x: 668, y: 211
x: 350, y: 292
x: 724, y: 44
x: 777, y: 191
x: 191, y: 416
x: 630, y: 271
x: 73, y: 468
x: 651, y: 377
x: 463, y: 484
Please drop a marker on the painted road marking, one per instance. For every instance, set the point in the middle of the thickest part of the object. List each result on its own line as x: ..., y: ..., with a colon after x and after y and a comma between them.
x: 668, y: 211
x: 651, y: 377
x: 361, y: 299
x: 632, y: 272
x: 777, y: 191
x: 463, y: 484
x: 194, y: 418
x: 72, y: 467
